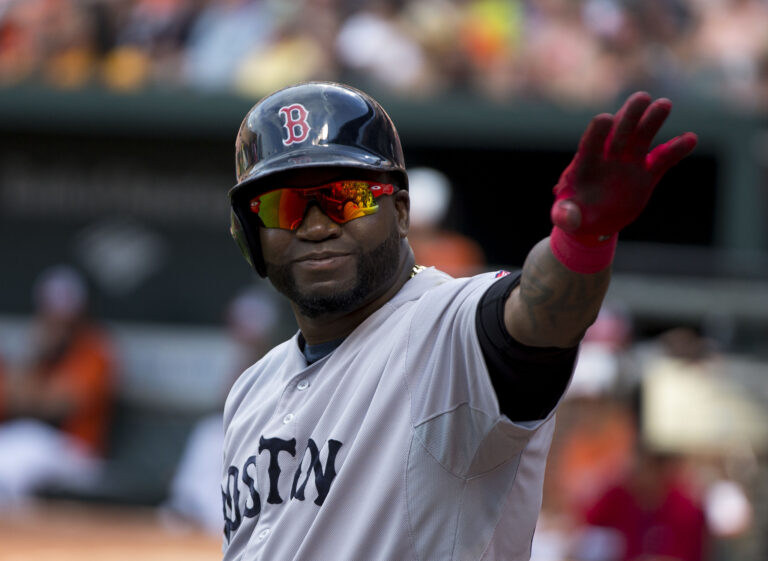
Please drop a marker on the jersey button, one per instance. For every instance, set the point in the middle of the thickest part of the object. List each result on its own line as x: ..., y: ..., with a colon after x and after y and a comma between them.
x: 288, y: 418
x: 263, y: 535
x: 303, y: 385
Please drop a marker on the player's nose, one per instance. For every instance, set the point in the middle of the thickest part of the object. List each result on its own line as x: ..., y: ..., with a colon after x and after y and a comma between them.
x: 317, y: 226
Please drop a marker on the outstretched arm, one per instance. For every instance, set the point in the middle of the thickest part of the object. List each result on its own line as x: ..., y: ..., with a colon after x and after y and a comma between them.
x: 604, y: 188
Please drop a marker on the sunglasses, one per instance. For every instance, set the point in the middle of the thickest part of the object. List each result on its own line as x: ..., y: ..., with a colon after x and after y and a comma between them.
x: 341, y: 201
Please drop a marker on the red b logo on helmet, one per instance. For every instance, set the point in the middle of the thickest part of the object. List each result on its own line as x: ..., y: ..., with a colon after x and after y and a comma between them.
x: 295, y: 123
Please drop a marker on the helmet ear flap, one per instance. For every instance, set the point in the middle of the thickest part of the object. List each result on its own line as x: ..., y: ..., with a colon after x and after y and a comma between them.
x: 248, y: 242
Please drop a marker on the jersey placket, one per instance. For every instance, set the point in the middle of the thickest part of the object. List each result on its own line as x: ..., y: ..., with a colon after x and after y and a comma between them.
x: 281, y: 448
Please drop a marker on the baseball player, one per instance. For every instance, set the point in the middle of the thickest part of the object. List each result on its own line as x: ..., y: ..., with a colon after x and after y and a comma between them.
x: 410, y: 416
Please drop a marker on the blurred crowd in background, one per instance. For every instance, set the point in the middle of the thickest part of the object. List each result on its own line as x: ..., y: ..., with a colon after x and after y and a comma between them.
x: 564, y: 51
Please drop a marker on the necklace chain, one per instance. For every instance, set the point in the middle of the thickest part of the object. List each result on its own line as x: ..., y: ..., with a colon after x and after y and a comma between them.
x: 416, y: 270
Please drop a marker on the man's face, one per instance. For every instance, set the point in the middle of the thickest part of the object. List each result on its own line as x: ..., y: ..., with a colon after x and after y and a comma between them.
x: 326, y: 268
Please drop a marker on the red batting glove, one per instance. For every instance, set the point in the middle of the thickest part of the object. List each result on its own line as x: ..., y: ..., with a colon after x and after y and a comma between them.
x: 609, y: 181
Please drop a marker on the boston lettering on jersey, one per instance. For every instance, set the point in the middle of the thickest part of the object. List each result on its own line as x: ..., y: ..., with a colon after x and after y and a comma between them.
x: 276, y: 448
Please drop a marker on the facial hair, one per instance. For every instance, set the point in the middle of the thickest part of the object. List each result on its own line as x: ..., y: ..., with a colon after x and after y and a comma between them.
x: 374, y: 269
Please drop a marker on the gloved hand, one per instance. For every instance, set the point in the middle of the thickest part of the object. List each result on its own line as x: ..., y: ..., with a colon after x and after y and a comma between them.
x: 610, y: 180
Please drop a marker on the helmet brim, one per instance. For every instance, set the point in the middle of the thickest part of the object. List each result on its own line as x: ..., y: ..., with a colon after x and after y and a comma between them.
x: 317, y: 156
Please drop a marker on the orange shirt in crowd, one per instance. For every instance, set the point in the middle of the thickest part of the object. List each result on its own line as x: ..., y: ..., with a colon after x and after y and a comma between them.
x: 84, y: 376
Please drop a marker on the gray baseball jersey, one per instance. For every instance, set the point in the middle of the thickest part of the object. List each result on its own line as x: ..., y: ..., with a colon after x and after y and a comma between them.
x: 391, y: 448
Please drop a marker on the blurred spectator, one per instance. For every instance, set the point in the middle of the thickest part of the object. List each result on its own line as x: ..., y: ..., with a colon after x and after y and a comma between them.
x: 149, y: 43
x: 492, y: 36
x: 491, y: 29
x: 564, y: 60
x: 653, y: 515
x: 56, y: 407
x: 434, y: 245
x: 46, y: 39
x: 731, y: 38
x: 195, y: 493
x: 374, y: 43
x: 299, y: 51
x: 69, y: 43
x: 436, y: 24
x: 224, y: 33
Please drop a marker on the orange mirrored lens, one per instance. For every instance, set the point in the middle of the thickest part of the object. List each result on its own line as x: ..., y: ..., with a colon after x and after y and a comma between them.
x: 341, y: 201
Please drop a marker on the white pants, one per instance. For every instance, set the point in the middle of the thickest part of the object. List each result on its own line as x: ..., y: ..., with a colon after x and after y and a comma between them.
x: 34, y: 455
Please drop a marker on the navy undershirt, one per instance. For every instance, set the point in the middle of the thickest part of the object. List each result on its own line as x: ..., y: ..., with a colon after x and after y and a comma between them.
x: 313, y: 353
x: 528, y: 381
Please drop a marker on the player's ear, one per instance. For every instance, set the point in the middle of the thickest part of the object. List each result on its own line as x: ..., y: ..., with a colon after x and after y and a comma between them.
x: 402, y: 202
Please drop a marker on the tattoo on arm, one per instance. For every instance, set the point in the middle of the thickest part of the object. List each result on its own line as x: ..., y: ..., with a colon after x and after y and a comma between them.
x: 556, y: 300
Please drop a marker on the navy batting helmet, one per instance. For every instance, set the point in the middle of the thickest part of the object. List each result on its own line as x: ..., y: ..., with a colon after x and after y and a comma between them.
x: 310, y: 125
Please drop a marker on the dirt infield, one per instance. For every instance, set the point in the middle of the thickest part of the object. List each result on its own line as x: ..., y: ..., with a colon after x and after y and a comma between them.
x: 64, y: 531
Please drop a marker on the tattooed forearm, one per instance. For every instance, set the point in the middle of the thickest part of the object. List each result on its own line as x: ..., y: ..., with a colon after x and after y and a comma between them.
x: 553, y: 306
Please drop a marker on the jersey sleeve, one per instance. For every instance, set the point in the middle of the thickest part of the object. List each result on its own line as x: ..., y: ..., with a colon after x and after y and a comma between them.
x: 528, y: 381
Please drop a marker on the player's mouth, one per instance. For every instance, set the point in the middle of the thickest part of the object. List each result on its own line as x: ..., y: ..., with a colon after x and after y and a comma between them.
x: 324, y: 260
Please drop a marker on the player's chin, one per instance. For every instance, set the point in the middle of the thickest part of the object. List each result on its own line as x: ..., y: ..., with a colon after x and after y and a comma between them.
x: 324, y: 281
x: 325, y: 289
x: 325, y: 276
x: 328, y: 299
